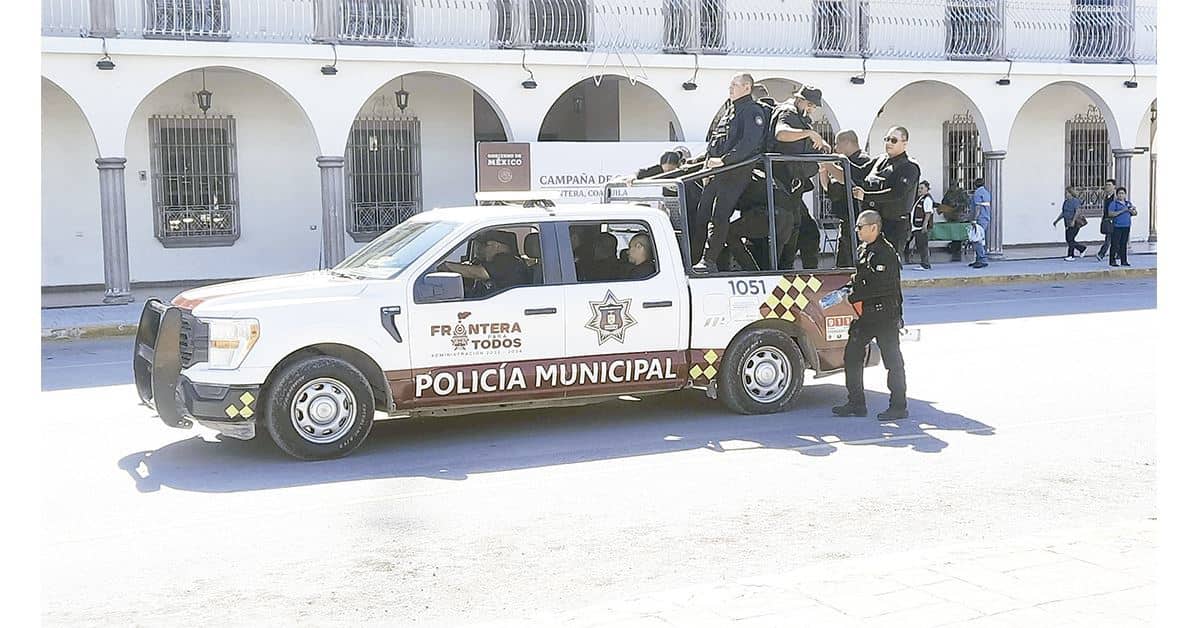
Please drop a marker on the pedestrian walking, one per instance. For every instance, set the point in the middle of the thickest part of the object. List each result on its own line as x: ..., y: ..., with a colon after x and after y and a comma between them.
x: 874, y: 290
x: 1110, y: 194
x: 1121, y: 211
x: 922, y: 222
x: 981, y: 211
x: 1073, y: 220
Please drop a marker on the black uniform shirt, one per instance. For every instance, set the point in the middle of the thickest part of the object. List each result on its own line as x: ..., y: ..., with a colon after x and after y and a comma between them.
x: 505, y: 270
x: 891, y: 186
x: 739, y: 134
x: 859, y: 166
x: 640, y: 271
x: 876, y: 279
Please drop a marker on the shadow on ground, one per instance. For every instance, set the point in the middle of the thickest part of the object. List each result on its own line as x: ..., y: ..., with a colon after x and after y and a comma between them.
x: 458, y: 447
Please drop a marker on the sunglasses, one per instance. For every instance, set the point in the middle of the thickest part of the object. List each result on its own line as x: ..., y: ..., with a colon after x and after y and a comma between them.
x: 892, y: 140
x: 859, y: 227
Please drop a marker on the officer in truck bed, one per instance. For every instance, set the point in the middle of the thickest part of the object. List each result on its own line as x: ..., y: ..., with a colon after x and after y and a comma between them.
x: 875, y: 295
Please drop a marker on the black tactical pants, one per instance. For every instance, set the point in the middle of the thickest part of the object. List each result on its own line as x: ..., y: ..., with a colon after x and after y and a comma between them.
x: 753, y: 225
x: 885, y: 330
x: 896, y: 231
x: 805, y: 240
x: 717, y: 203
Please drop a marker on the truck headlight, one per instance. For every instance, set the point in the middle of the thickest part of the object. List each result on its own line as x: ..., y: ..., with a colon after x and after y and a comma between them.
x: 229, y: 340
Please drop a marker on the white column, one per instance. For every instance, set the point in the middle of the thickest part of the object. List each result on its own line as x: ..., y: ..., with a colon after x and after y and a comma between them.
x: 993, y: 179
x: 333, y: 209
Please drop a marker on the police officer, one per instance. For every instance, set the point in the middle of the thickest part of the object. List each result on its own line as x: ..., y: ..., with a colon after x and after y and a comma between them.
x: 737, y: 137
x: 793, y: 134
x: 671, y: 162
x: 875, y: 295
x: 890, y: 186
x: 754, y: 225
x: 833, y: 181
x: 497, y: 269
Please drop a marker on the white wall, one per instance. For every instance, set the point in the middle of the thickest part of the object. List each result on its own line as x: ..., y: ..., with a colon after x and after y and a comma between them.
x: 278, y: 183
x: 445, y: 107
x: 921, y: 108
x: 645, y: 116
x: 72, y: 253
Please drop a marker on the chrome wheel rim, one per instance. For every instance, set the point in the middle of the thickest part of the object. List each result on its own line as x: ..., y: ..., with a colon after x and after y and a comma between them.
x: 323, y: 410
x: 766, y: 374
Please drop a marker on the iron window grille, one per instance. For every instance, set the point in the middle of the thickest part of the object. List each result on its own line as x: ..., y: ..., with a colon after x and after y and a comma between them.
x: 1089, y: 158
x: 694, y: 26
x: 963, y: 157
x: 383, y: 175
x: 1101, y: 30
x: 974, y: 29
x: 193, y: 161
x: 840, y: 27
x: 186, y: 19
x: 375, y: 21
x: 504, y: 20
x: 560, y: 24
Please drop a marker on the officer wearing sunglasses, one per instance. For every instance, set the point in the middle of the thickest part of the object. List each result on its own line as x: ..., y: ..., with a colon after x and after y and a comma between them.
x: 875, y: 294
x: 890, y: 186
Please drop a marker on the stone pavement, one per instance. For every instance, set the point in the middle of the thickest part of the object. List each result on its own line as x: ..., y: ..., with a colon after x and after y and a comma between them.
x: 1091, y: 577
x: 120, y: 320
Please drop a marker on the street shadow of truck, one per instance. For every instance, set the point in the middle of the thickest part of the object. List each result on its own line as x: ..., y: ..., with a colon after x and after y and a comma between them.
x: 455, y: 448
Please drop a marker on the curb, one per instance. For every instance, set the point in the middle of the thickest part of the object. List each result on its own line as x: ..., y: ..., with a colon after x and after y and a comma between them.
x: 109, y: 330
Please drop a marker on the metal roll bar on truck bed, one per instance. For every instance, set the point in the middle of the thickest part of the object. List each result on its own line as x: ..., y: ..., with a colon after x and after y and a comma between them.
x: 694, y: 172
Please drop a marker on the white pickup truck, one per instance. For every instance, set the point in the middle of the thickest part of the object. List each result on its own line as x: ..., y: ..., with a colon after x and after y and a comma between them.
x: 314, y: 358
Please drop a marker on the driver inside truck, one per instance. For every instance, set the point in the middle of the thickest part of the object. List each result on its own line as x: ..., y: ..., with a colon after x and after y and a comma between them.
x: 496, y: 269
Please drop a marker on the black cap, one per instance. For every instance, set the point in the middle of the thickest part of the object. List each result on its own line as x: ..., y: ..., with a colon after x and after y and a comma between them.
x: 494, y: 235
x: 811, y: 94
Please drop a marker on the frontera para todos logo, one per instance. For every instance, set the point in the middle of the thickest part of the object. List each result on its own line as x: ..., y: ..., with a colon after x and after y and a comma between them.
x: 610, y: 318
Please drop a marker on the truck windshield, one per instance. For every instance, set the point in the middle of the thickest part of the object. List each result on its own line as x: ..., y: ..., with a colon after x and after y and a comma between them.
x: 389, y: 254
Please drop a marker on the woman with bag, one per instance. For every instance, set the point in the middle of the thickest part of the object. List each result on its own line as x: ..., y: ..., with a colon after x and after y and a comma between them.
x: 1073, y: 219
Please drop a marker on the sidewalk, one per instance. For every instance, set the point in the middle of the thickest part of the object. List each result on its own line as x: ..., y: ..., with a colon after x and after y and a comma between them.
x: 1083, y: 577
x: 121, y: 320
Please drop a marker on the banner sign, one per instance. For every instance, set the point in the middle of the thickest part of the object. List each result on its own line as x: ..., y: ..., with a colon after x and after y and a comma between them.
x: 502, y: 166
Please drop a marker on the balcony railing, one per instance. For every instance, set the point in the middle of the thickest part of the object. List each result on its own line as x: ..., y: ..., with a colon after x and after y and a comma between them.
x: 1023, y: 30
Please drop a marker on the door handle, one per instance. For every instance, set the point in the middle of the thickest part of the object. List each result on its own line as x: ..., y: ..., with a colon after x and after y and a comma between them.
x: 386, y: 315
x: 541, y: 310
x: 653, y: 304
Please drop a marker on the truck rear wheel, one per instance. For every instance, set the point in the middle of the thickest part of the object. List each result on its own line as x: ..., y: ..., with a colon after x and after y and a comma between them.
x: 319, y: 407
x: 761, y: 372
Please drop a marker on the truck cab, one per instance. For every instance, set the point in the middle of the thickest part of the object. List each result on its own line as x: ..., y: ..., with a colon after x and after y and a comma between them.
x: 483, y: 308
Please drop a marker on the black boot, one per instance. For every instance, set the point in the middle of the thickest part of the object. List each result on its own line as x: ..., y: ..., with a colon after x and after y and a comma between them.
x: 893, y: 413
x: 850, y: 409
x: 704, y: 267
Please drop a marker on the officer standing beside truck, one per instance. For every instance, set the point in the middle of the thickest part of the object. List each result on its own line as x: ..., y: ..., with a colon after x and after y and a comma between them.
x: 874, y: 290
x: 890, y: 186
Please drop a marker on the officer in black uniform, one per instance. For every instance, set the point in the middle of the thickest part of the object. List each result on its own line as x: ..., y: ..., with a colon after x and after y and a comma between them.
x: 793, y: 134
x: 669, y: 164
x: 754, y: 225
x: 737, y: 137
x: 497, y: 269
x: 833, y: 182
x: 890, y: 186
x: 875, y: 294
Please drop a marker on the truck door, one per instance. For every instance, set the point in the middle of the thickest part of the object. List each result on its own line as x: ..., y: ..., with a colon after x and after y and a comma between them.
x: 625, y: 310
x: 484, y: 348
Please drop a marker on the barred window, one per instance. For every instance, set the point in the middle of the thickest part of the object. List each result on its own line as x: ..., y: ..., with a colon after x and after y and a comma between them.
x: 1101, y: 30
x: 974, y: 29
x: 694, y: 25
x: 963, y: 157
x: 504, y: 19
x: 186, y: 19
x: 1089, y: 158
x: 560, y: 24
x: 383, y: 175
x: 375, y: 21
x: 840, y: 27
x: 193, y: 161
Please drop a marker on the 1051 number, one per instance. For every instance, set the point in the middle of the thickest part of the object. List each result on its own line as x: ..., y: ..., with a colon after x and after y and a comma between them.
x: 748, y: 286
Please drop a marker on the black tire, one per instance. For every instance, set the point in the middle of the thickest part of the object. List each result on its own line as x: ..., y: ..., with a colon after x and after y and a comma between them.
x: 321, y: 376
x: 742, y: 393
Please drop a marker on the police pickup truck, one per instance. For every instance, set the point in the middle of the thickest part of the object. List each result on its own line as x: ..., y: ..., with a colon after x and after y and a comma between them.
x: 480, y: 309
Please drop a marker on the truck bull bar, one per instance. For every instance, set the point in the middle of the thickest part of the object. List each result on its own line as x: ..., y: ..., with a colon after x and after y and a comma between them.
x: 157, y: 362
x: 697, y: 171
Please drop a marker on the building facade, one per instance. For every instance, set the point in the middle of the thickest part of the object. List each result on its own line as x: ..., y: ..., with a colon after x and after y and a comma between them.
x: 192, y: 140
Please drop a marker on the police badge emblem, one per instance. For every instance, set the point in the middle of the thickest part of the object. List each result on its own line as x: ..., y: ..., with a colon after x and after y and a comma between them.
x: 459, y: 339
x: 610, y: 318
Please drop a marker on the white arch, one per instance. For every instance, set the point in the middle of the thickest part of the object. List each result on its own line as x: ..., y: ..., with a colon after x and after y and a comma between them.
x: 71, y: 99
x: 563, y: 93
x: 981, y: 121
x: 1110, y: 118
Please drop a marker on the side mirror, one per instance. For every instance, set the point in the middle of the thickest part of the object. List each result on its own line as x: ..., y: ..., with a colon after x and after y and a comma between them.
x: 439, y: 288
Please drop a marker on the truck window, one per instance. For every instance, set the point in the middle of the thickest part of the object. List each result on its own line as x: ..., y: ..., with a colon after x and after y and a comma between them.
x: 613, y: 251
x: 389, y: 254
x: 496, y: 259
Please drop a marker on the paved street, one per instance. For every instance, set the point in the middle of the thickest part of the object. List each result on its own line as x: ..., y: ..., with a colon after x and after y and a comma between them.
x: 1021, y: 492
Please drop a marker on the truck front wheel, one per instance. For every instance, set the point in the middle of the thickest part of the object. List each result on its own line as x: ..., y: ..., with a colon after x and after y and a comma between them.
x: 318, y: 408
x: 761, y: 372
